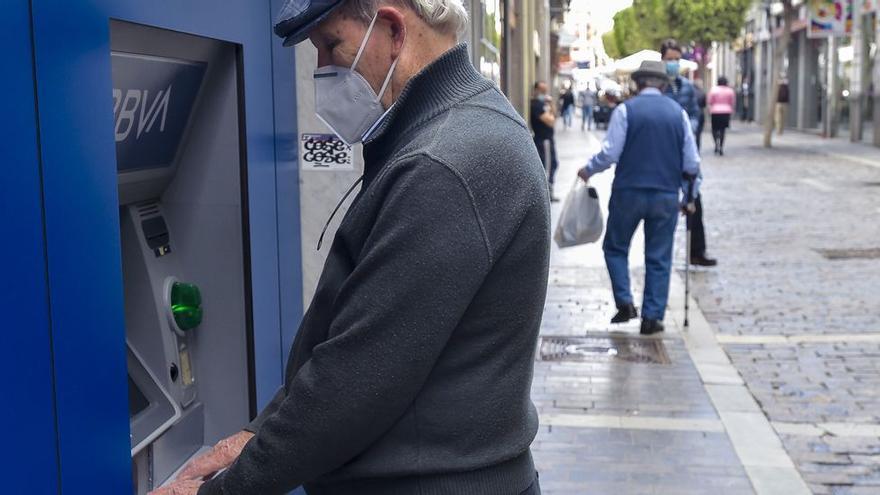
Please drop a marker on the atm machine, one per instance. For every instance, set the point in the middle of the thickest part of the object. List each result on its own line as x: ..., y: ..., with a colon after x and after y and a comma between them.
x: 152, y: 213
x: 184, y: 230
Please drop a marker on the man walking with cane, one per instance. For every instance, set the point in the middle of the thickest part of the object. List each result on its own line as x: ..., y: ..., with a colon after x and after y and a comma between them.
x: 651, y: 140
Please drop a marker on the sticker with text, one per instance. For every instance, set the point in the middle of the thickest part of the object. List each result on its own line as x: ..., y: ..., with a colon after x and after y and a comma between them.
x: 324, y: 152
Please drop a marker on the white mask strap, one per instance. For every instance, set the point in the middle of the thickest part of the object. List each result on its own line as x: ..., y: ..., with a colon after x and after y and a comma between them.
x: 360, y: 52
x: 388, y: 78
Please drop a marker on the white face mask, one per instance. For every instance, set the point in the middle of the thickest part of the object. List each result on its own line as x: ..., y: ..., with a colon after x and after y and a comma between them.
x: 345, y: 101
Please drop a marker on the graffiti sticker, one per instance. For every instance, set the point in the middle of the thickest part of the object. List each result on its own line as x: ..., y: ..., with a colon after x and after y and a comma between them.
x: 324, y: 152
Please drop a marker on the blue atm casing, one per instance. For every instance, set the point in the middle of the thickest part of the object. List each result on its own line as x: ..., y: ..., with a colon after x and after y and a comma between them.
x: 64, y: 348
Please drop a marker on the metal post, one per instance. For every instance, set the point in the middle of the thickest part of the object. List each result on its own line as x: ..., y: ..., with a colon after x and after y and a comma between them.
x: 875, y: 77
x: 856, y: 86
x: 831, y: 120
x: 771, y: 64
x: 803, y: 81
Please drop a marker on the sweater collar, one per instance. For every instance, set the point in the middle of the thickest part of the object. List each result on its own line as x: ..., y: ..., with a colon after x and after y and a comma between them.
x: 443, y: 83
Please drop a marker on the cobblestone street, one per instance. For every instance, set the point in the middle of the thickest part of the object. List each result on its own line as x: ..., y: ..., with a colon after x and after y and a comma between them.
x: 793, y: 305
x: 795, y: 296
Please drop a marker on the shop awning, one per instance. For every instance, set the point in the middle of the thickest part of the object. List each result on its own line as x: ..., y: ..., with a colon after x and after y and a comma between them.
x: 628, y: 65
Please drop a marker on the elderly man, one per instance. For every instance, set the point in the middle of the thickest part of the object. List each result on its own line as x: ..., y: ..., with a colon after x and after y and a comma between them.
x: 650, y: 139
x: 412, y: 368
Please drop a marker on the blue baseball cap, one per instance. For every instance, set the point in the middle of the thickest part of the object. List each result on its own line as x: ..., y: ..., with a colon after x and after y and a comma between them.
x: 297, y: 17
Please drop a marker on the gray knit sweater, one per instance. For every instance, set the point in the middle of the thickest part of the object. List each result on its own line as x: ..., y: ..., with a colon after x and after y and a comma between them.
x: 411, y: 371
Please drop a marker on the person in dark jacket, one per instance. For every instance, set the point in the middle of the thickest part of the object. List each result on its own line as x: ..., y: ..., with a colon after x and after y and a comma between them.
x: 682, y: 91
x: 679, y: 88
x: 411, y: 370
x: 566, y: 101
x: 701, y: 117
x: 782, y: 105
x: 542, y: 117
x: 651, y: 140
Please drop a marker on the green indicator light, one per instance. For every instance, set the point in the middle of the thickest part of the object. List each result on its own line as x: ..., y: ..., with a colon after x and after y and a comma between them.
x: 186, y: 305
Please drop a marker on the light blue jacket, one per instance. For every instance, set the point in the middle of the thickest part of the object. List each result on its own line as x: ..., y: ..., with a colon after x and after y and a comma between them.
x: 615, y: 139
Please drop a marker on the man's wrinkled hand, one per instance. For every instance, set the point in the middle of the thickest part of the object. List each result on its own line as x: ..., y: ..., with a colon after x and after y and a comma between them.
x: 221, y: 456
x: 688, y: 208
x: 187, y: 487
x: 584, y: 174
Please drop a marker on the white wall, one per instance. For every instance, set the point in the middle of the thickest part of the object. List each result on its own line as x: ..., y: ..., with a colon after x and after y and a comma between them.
x: 319, y: 190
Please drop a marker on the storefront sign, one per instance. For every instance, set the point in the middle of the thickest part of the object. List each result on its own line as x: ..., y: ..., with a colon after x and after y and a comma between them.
x: 830, y: 18
x: 835, y: 17
x: 827, y: 18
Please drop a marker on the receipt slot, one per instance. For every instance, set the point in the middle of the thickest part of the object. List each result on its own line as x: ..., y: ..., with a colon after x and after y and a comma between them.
x: 181, y: 169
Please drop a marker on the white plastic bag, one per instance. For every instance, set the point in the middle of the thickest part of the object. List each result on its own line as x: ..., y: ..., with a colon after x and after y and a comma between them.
x: 581, y: 219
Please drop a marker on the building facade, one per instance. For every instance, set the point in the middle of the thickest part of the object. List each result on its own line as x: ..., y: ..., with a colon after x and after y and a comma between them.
x: 831, y: 79
x: 510, y: 43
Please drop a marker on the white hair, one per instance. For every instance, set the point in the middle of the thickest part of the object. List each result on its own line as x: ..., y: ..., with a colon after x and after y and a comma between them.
x: 652, y: 82
x: 447, y: 16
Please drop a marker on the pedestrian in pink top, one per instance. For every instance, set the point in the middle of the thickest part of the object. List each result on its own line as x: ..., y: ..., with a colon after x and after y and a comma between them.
x: 721, y: 102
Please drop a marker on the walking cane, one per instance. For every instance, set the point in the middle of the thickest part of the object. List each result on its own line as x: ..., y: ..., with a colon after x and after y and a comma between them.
x: 690, y: 206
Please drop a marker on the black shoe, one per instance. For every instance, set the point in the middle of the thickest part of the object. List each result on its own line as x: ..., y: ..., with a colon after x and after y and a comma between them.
x: 554, y: 199
x: 625, y: 313
x: 703, y: 261
x: 650, y: 327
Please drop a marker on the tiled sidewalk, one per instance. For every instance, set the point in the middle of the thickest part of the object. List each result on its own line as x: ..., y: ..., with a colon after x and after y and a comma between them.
x: 631, y: 414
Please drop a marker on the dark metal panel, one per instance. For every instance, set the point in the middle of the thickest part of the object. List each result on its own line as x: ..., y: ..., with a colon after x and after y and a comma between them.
x: 73, y: 67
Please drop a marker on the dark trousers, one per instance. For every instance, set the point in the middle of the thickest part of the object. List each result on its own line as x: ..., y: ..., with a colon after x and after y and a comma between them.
x: 550, y: 163
x: 720, y: 123
x: 701, y: 124
x: 698, y: 232
x: 718, y: 137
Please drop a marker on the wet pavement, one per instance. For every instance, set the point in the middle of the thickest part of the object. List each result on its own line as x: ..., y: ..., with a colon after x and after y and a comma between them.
x: 622, y: 413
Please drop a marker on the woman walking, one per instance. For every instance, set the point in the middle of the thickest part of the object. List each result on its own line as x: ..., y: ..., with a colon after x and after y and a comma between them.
x: 722, y: 101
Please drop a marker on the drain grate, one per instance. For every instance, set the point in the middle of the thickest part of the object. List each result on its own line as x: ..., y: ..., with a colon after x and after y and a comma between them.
x: 603, y: 349
x: 850, y: 254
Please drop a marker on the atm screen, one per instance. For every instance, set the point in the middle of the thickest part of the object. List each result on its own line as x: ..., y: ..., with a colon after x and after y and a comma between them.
x: 137, y: 401
x: 152, y: 101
